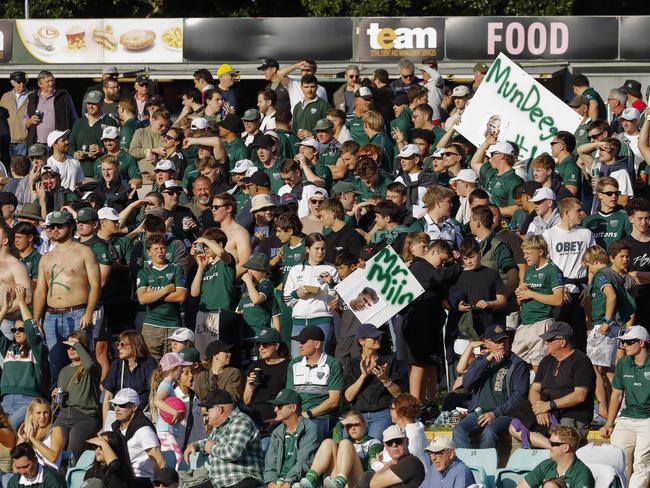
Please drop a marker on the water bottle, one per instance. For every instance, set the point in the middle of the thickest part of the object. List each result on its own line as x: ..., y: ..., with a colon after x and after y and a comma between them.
x: 478, y: 411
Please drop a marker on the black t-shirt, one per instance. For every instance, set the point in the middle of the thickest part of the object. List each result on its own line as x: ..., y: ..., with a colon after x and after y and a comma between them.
x: 274, y: 378
x: 373, y: 395
x: 115, y: 475
x: 346, y: 239
x: 574, y: 371
x: 640, y: 261
x: 410, y: 470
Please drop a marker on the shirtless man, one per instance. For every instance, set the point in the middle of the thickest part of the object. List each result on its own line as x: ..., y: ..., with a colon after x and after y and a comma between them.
x: 224, y: 206
x: 12, y: 273
x: 67, y: 290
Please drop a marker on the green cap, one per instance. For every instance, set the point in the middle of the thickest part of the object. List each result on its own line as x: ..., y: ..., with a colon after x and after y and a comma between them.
x: 343, y: 187
x: 268, y: 336
x: 259, y: 262
x: 87, y: 214
x: 36, y: 150
x: 190, y: 355
x: 252, y: 114
x: 323, y: 124
x: 287, y: 397
x: 59, y: 217
x: 95, y: 97
x: 481, y: 68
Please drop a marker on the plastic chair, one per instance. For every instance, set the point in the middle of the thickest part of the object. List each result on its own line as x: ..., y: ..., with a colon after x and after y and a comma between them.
x: 480, y: 477
x: 604, y: 475
x: 520, y: 463
x: 480, y: 458
x: 74, y: 477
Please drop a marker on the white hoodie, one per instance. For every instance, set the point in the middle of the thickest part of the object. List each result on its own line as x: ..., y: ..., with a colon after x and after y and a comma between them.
x: 317, y: 305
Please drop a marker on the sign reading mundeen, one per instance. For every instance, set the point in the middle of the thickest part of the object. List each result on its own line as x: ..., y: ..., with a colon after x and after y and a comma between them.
x: 524, y: 112
x: 378, y: 292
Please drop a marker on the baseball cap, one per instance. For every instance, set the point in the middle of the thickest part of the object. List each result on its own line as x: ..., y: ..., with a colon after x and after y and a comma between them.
x: 171, y: 360
x: 251, y: 115
x: 468, y: 175
x: 343, y: 187
x: 394, y: 432
x: 59, y: 217
x: 495, y: 332
x: 460, y: 91
x: 542, y: 194
x: 501, y: 147
x: 189, y: 354
x: 171, y: 185
x: 632, y: 87
x: 364, y: 92
x: 368, y: 331
x: 110, y: 70
x: 636, y: 332
x: 561, y: 329
x: 199, y: 123
x: 631, y: 113
x: 268, y: 63
x: 110, y: 132
x: 578, y: 101
x: 530, y: 187
x: 261, y: 201
x: 242, y: 166
x: 231, y: 123
x: 323, y: 124
x: 95, y: 97
x: 167, y: 476
x: 30, y: 211
x: 182, y: 334
x: 108, y: 213
x: 226, y: 69
x: 87, y: 214
x: 8, y: 198
x: 289, y: 199
x: 410, y: 150
x: 142, y: 79
x: 259, y: 178
x: 262, y: 140
x: 215, y: 347
x: 36, y: 150
x: 50, y: 169
x: 272, y: 133
x: 311, y: 332
x: 258, y: 262
x: 165, y: 165
x: 269, y: 336
x: 438, y: 153
x: 480, y: 67
x: 440, y: 443
x: 401, y: 99
x: 286, y: 396
x: 156, y: 100
x: 309, y: 142
x: 18, y: 76
x: 126, y: 395
x: 55, y: 135
x: 217, y: 397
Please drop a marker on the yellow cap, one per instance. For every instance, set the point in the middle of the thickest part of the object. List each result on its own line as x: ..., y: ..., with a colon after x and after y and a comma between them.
x: 225, y: 69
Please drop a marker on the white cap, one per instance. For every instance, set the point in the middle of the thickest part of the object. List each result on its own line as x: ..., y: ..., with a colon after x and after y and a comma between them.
x: 309, y: 142
x: 410, y: 150
x: 261, y: 201
x: 172, y: 185
x: 636, y: 332
x: 440, y: 443
x: 50, y: 169
x: 251, y: 171
x: 126, y: 395
x: 242, y: 166
x: 108, y: 213
x: 438, y: 153
x: 460, y: 345
x: 394, y: 432
x: 110, y: 132
x: 271, y: 133
x: 55, y: 135
x: 631, y: 113
x: 542, y: 194
x: 199, y: 123
x: 468, y: 175
x: 460, y: 91
x: 501, y: 147
x: 165, y: 165
x: 364, y: 91
x: 182, y: 334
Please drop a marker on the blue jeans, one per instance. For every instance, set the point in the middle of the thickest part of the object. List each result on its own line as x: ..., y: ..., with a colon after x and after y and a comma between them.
x: 57, y: 328
x: 323, y: 425
x: 17, y: 150
x: 16, y: 407
x: 377, y: 423
x: 295, y: 330
x: 489, y: 435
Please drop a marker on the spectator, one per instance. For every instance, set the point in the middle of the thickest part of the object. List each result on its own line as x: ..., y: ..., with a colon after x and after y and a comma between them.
x: 562, y: 148
x: 446, y: 470
x: 47, y: 440
x: 407, y: 77
x: 437, y: 222
x: 112, y: 464
x: 639, y: 266
x: 68, y: 168
x: 146, y: 139
x: 128, y: 166
x: 610, y: 223
x: 341, y: 236
x: 15, y: 103
x: 30, y: 472
x: 127, y: 112
x: 219, y: 374
x: 597, y: 108
x: 547, y: 215
x: 404, y: 412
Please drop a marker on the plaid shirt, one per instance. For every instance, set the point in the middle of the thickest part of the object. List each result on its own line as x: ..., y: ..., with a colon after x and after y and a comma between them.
x: 236, y: 453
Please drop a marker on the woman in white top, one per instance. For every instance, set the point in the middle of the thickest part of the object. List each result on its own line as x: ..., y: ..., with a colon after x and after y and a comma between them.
x: 310, y: 289
x: 48, y: 441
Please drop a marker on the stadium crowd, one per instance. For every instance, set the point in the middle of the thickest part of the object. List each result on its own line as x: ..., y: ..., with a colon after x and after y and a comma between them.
x: 168, y: 306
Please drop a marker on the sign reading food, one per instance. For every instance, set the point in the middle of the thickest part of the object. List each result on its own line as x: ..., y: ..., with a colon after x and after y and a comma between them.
x: 379, y: 291
x: 511, y: 102
x: 103, y: 40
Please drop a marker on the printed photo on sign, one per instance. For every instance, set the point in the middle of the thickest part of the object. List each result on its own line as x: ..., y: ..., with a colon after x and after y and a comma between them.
x: 362, y: 299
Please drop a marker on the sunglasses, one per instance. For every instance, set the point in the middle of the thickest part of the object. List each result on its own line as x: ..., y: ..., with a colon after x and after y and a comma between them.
x: 123, y: 344
x: 595, y: 136
x: 170, y: 138
x: 394, y: 442
x: 18, y: 329
x: 556, y: 142
x: 56, y: 226
x: 611, y: 193
x: 553, y: 339
x: 176, y: 192
x: 217, y: 207
x: 69, y: 348
x: 556, y: 443
x: 450, y: 153
x: 353, y: 77
x: 315, y: 201
x: 408, y: 77
x: 356, y: 424
x: 627, y: 342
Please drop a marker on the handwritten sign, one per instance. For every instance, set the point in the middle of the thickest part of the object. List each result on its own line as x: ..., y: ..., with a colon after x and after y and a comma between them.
x: 522, y: 110
x: 378, y: 292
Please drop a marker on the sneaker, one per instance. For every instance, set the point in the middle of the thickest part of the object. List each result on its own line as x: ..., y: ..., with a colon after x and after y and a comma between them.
x: 305, y: 483
x: 296, y: 485
x: 332, y: 482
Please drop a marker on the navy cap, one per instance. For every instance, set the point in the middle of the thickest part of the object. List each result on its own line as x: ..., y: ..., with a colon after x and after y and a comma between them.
x: 558, y: 329
x: 368, y: 331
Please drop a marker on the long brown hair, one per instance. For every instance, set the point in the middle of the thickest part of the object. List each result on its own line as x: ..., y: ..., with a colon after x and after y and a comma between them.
x: 137, y: 343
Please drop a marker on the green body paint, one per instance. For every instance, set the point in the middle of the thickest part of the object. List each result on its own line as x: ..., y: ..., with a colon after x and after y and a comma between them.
x: 53, y: 276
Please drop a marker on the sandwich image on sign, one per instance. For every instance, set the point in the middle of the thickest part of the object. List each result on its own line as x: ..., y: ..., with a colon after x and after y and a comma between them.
x: 105, y: 37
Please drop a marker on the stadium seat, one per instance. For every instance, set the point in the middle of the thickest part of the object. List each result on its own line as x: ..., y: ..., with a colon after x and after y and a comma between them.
x: 520, y: 463
x: 480, y: 458
x: 604, y: 475
x: 479, y: 475
x: 75, y: 475
x: 605, y: 454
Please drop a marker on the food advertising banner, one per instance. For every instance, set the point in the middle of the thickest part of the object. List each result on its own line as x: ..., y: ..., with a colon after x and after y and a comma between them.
x: 111, y: 41
x: 376, y: 293
x: 513, y: 104
x: 6, y: 31
x: 393, y: 38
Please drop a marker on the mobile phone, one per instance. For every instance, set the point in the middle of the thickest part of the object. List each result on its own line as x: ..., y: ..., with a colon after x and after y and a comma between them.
x: 200, y: 248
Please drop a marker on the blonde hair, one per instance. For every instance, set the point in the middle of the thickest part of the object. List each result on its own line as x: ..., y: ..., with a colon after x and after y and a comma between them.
x: 373, y: 119
x: 156, y: 378
x: 42, y: 432
x: 436, y: 194
x: 595, y: 255
x: 567, y: 434
x: 535, y: 242
x: 413, y: 238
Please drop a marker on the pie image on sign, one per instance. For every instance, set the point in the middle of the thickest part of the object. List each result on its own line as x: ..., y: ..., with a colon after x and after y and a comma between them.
x: 137, y: 39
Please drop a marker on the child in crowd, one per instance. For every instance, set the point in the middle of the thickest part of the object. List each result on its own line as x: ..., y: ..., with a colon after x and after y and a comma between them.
x: 257, y: 305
